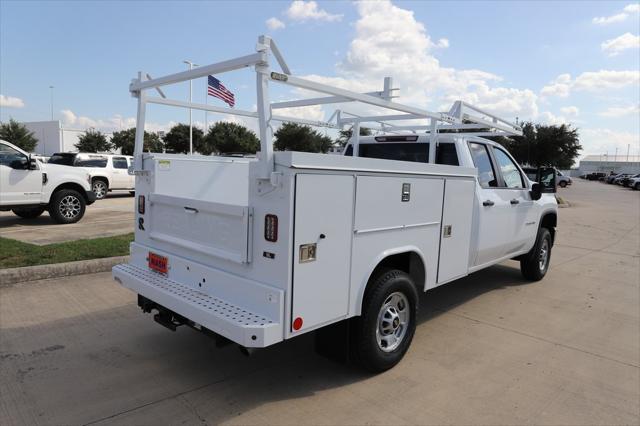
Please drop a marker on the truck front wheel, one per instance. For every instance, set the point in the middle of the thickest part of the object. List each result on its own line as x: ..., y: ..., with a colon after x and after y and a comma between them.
x: 382, y: 335
x: 534, y: 265
x: 100, y: 188
x: 67, y: 206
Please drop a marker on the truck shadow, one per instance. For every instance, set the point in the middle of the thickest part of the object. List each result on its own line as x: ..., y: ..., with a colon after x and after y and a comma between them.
x: 183, y: 373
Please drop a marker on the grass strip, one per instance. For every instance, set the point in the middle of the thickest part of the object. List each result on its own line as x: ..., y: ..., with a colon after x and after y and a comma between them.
x: 15, y: 254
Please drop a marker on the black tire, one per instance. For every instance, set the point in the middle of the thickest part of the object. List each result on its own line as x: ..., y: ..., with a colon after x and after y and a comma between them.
x: 562, y: 184
x: 366, y: 350
x: 637, y: 186
x: 67, y: 206
x: 29, y: 213
x: 100, y: 187
x: 531, y: 265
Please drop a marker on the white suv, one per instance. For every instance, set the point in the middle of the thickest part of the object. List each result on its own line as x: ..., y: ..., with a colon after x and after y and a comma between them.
x: 28, y: 187
x: 108, y: 171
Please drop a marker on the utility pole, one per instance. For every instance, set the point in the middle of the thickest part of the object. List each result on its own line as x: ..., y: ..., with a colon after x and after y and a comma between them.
x: 628, y: 148
x: 51, y: 90
x: 191, y: 65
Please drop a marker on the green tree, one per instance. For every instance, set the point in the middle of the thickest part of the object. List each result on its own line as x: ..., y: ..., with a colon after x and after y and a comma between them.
x: 296, y: 137
x: 545, y: 145
x: 18, y: 134
x: 93, y: 141
x: 177, y: 139
x: 345, y: 135
x: 226, y: 138
x: 125, y: 140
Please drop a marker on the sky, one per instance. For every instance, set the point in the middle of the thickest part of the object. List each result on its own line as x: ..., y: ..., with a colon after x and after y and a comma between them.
x: 542, y: 61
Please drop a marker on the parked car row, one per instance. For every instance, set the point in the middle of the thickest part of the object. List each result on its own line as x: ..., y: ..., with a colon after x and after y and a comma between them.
x: 630, y: 180
x: 64, y: 185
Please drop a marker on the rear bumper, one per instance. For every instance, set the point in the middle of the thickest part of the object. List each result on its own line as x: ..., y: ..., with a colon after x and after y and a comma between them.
x: 237, y: 323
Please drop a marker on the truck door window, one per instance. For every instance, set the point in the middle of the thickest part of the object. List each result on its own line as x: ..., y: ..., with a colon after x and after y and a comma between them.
x: 92, y: 161
x: 416, y: 152
x: 481, y: 159
x: 9, y: 155
x: 510, y: 173
x: 120, y: 163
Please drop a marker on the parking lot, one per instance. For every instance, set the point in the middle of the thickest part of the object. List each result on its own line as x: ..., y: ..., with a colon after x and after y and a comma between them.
x: 489, y: 349
x: 104, y: 218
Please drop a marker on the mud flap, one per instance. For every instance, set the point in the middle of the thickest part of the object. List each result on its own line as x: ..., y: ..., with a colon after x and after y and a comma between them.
x: 332, y: 341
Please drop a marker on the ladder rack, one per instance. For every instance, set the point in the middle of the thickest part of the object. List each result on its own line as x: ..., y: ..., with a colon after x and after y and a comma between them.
x: 461, y: 116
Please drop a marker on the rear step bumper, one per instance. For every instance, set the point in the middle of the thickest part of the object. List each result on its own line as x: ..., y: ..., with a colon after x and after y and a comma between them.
x: 234, y: 322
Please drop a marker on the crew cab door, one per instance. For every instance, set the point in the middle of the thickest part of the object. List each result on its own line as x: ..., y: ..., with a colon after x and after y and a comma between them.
x: 514, y: 189
x: 18, y: 184
x: 493, y: 209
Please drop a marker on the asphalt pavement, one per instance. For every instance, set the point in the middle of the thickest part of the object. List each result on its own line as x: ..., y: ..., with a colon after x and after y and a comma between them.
x: 489, y: 349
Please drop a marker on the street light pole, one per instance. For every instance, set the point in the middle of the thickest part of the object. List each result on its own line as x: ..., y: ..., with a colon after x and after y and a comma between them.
x: 191, y: 65
x: 51, y: 89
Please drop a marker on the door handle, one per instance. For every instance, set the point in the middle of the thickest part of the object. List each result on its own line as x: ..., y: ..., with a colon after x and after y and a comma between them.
x: 190, y: 210
x: 488, y: 203
x: 514, y: 201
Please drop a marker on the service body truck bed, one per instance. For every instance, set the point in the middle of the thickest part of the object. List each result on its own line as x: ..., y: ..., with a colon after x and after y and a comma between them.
x: 261, y: 250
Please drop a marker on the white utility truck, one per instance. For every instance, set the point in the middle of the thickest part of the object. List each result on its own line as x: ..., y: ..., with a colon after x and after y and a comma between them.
x: 258, y: 251
x: 28, y: 187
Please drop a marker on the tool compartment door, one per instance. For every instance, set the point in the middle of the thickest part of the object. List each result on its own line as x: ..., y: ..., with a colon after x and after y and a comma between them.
x: 455, y: 232
x: 322, y: 249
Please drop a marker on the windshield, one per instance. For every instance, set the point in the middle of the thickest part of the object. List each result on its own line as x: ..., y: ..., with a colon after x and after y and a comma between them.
x: 62, y: 159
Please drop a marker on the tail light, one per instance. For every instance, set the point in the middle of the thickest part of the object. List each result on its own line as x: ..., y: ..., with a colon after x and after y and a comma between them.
x: 271, y: 228
x: 141, y: 204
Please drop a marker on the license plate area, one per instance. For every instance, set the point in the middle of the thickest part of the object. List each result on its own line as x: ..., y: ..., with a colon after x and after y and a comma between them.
x: 158, y: 263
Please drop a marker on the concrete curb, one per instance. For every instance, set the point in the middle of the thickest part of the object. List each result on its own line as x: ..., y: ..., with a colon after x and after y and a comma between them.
x: 54, y: 270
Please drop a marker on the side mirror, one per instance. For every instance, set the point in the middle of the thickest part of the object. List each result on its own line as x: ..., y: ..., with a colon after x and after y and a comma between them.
x: 536, y: 191
x: 547, y: 180
x: 20, y: 164
x: 33, y: 163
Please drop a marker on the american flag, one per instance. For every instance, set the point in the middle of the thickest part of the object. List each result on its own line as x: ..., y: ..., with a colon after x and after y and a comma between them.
x: 217, y: 89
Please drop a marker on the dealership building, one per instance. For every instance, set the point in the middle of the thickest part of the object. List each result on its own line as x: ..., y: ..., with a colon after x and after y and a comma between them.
x: 53, y: 137
x: 609, y: 163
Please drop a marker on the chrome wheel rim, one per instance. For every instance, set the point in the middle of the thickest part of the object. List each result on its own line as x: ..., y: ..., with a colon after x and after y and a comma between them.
x: 543, y: 257
x: 100, y: 189
x: 393, y: 322
x: 69, y: 207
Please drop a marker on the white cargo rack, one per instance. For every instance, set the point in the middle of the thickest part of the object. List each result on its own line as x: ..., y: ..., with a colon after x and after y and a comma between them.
x: 462, y: 116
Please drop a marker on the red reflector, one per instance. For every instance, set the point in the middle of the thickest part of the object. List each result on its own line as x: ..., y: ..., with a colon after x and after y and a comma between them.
x: 141, y: 204
x: 297, y: 323
x: 271, y: 228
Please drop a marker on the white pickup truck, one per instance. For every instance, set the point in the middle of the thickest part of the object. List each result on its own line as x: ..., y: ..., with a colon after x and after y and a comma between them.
x: 258, y: 251
x: 108, y: 171
x: 28, y: 187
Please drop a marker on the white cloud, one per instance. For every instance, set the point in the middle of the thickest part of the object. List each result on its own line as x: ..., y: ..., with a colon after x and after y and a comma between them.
x: 618, y: 17
x: 548, y: 117
x: 442, y: 43
x: 314, y: 112
x: 605, y: 79
x: 606, y: 20
x: 616, y: 45
x: 274, y: 24
x: 632, y: 8
x: 115, y: 123
x: 308, y: 10
x: 592, y: 81
x: 389, y: 41
x: 621, y: 111
x: 601, y: 140
x: 11, y: 102
x: 571, y: 111
x: 560, y: 87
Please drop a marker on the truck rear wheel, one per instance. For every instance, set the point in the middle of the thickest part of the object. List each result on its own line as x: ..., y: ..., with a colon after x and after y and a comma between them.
x: 29, y: 213
x: 100, y: 188
x: 67, y: 206
x: 562, y: 184
x: 382, y: 335
x: 534, y: 265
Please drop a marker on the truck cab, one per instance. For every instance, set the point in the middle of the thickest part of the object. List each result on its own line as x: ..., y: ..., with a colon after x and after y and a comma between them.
x: 507, y: 210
